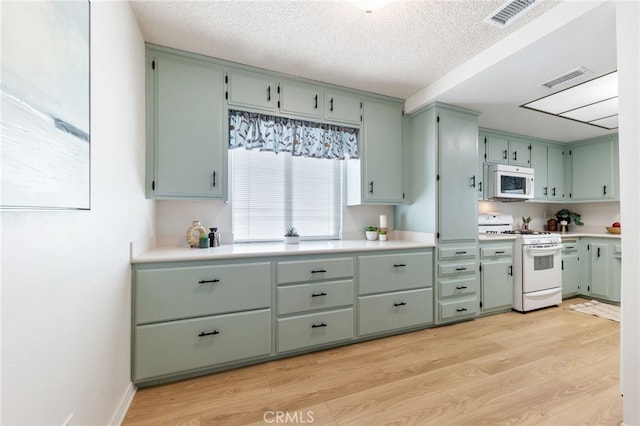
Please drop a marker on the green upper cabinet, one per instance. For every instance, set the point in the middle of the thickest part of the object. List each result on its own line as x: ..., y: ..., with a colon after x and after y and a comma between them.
x: 186, y: 122
x: 458, y: 180
x: 506, y: 149
x: 547, y: 161
x: 377, y: 178
x: 300, y: 99
x: 251, y: 90
x: 594, y: 169
x: 343, y: 107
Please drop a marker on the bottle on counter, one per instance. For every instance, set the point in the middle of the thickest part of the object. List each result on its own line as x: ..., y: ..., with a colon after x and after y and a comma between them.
x: 214, y: 237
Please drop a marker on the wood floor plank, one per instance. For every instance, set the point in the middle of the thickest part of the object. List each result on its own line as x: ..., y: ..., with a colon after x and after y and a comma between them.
x: 553, y: 366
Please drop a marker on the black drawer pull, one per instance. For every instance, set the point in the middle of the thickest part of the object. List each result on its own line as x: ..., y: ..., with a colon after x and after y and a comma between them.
x: 319, y: 294
x: 461, y: 269
x: 500, y: 252
x: 510, y: 270
x: 399, y: 304
x: 461, y: 287
x: 208, y: 281
x: 319, y: 325
x: 461, y: 252
x: 461, y: 309
x: 399, y: 265
x: 319, y: 271
x: 214, y: 332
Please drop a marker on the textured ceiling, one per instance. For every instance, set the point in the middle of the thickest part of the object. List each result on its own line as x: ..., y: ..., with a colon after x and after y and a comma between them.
x: 396, y: 51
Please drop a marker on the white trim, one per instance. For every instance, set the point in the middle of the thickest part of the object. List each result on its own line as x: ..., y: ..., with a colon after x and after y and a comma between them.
x: 123, y: 407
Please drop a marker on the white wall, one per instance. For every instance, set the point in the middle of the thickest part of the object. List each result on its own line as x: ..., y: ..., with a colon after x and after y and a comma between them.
x: 65, y: 274
x: 174, y: 217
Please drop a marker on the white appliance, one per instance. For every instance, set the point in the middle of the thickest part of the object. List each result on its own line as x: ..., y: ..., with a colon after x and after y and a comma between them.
x: 510, y: 183
x: 537, y: 262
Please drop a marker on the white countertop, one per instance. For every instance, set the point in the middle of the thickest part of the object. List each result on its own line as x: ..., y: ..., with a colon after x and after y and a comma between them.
x: 247, y: 250
x: 603, y: 234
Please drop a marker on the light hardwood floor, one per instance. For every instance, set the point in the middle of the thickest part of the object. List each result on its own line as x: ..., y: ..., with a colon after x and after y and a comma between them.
x: 553, y: 366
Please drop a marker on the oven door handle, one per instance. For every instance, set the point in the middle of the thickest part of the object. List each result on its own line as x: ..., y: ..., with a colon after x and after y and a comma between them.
x: 542, y: 249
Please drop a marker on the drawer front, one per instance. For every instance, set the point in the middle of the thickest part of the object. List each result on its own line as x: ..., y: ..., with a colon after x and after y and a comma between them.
x: 385, y: 312
x: 488, y: 252
x: 569, y: 246
x: 183, y: 292
x: 458, y: 308
x: 457, y: 287
x: 314, y: 270
x: 393, y: 272
x: 180, y: 346
x: 461, y: 252
x: 308, y: 297
x: 314, y: 329
x: 457, y: 268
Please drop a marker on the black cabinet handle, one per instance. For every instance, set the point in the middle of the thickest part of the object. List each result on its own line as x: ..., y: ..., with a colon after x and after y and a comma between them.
x: 461, y: 269
x: 316, y: 104
x: 461, y: 309
x: 562, y: 263
x: 208, y: 281
x: 510, y: 270
x: 399, y: 304
x: 461, y: 252
x: 319, y: 294
x: 214, y: 179
x: 598, y: 251
x: 319, y: 271
x: 319, y: 325
x: 499, y: 251
x: 473, y: 181
x: 399, y: 265
x: 461, y: 287
x: 331, y: 105
x: 479, y: 186
x: 371, y: 187
x: 604, y: 190
x: 504, y: 154
x: 515, y: 155
x: 269, y: 94
x: 214, y: 332
x: 544, y: 191
x: 553, y: 192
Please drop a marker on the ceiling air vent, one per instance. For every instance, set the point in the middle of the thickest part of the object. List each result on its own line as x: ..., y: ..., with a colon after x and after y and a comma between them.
x: 564, y: 78
x: 510, y: 12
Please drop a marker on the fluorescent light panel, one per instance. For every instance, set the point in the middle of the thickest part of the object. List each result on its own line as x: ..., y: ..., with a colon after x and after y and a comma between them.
x: 593, y: 102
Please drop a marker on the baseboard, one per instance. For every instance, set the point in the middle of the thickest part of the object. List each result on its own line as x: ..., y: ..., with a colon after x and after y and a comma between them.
x: 123, y: 407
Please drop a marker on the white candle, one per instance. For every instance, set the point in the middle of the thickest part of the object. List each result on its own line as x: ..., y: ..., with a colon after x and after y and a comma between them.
x: 383, y: 221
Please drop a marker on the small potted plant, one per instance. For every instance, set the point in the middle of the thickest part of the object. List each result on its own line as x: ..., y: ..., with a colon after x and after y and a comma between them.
x: 383, y: 234
x: 371, y: 233
x: 525, y: 222
x: 291, y: 235
x: 565, y: 217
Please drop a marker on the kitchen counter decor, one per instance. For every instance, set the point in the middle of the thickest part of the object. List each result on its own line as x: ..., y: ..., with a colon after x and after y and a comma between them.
x: 193, y: 234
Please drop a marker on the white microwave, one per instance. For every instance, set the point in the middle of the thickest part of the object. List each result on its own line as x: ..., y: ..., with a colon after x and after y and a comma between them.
x: 510, y: 183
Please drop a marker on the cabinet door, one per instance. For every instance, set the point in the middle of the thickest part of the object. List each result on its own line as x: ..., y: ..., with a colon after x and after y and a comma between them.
x: 496, y: 149
x: 599, y: 265
x: 251, y: 90
x: 519, y: 152
x: 539, y: 163
x: 187, y: 124
x: 592, y: 168
x: 382, y: 152
x: 343, y: 108
x: 496, y: 281
x: 301, y: 99
x: 555, y: 173
x: 570, y: 274
x: 458, y: 147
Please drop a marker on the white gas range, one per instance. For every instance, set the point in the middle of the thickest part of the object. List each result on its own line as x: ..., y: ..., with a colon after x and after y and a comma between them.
x: 537, y: 263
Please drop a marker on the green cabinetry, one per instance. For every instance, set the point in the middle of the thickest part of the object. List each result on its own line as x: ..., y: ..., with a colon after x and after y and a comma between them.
x: 458, y: 283
x: 547, y: 161
x: 343, y: 107
x: 300, y: 99
x: 186, y: 124
x: 496, y: 276
x: 503, y: 148
x: 251, y: 90
x: 601, y: 277
x: 594, y: 169
x: 571, y: 271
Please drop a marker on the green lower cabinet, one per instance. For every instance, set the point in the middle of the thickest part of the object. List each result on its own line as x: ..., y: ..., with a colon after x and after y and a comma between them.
x: 602, y: 275
x: 391, y: 311
x: 458, y: 282
x: 570, y: 269
x: 496, y: 276
x: 315, y: 329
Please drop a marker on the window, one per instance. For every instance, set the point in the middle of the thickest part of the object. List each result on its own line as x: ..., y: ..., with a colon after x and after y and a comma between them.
x: 272, y: 191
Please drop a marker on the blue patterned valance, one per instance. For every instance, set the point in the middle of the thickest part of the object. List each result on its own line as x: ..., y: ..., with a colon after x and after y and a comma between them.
x: 300, y: 138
